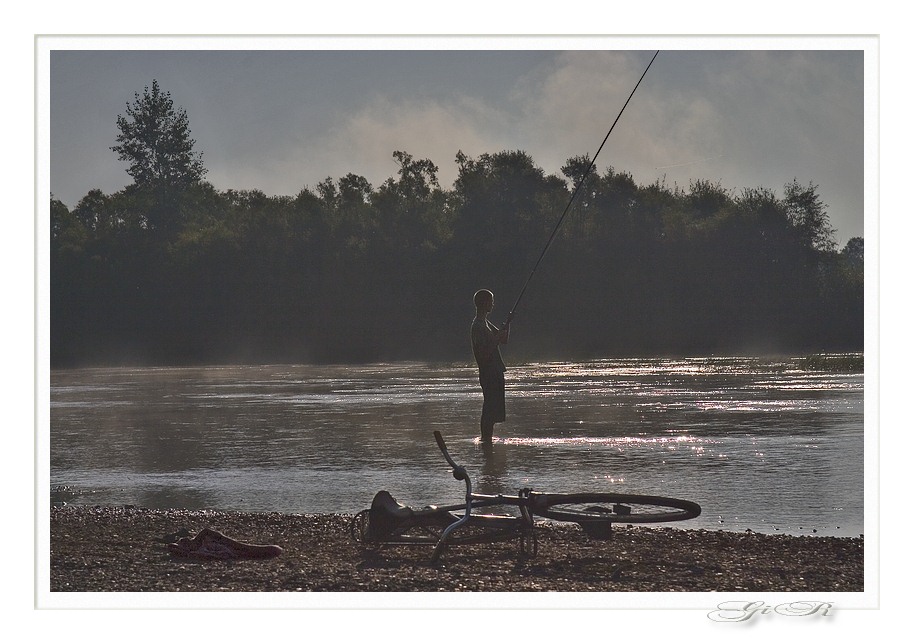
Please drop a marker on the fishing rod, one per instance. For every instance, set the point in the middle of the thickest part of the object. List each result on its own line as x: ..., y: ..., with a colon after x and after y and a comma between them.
x: 575, y: 192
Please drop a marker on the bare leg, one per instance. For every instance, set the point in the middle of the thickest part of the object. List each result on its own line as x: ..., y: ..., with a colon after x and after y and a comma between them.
x: 487, y: 428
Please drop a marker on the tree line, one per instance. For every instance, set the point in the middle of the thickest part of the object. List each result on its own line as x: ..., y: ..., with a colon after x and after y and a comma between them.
x: 171, y: 270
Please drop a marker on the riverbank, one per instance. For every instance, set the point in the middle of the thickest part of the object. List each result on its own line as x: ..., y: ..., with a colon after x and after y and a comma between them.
x: 125, y: 549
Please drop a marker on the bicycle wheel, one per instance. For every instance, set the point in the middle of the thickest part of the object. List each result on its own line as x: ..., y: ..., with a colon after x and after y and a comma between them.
x: 608, y: 508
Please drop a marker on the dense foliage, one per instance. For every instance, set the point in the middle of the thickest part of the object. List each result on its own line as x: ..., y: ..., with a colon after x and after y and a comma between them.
x: 176, y: 271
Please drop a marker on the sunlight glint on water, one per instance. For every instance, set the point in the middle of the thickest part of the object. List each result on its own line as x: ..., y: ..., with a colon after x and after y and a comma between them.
x: 760, y: 444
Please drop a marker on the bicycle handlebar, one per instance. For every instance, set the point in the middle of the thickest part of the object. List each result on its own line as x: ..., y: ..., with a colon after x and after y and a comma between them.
x: 459, y: 471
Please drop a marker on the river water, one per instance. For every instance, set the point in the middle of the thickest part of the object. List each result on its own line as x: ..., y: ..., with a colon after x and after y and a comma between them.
x: 775, y: 445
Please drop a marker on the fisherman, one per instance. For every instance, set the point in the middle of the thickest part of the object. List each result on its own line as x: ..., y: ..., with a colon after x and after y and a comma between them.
x: 486, y: 337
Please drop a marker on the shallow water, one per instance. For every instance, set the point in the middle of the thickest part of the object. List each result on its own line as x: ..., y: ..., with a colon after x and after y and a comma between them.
x: 771, y: 445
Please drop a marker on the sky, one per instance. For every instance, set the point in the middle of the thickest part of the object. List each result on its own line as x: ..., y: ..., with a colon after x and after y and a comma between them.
x: 285, y: 118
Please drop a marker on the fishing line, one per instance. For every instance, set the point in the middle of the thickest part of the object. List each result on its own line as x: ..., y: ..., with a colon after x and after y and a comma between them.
x: 577, y: 188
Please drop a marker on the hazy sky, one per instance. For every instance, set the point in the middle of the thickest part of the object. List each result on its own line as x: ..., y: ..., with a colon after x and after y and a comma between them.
x: 279, y: 121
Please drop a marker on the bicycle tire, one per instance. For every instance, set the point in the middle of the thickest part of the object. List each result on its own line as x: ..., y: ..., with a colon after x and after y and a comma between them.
x: 608, y: 508
x: 358, y: 527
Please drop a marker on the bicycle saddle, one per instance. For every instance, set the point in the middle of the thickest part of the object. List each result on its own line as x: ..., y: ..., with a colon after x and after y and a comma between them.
x: 385, y: 503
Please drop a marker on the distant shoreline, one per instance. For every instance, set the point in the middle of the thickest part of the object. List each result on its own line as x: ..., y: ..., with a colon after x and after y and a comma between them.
x: 843, y: 360
x: 124, y: 549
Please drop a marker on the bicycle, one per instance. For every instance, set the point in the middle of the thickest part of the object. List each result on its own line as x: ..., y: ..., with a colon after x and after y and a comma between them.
x: 389, y: 522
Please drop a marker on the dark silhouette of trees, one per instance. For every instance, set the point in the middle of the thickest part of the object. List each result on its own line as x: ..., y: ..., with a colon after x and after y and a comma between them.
x: 172, y: 270
x: 853, y: 253
x: 155, y: 141
x: 808, y: 215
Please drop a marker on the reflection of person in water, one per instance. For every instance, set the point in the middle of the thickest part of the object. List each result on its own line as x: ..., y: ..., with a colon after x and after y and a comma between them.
x: 209, y: 544
x: 492, y: 475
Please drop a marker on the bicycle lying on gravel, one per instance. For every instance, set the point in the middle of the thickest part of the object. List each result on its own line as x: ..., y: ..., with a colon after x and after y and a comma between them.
x: 389, y: 522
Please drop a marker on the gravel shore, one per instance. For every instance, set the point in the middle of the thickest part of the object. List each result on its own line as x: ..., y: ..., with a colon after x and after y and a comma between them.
x: 125, y: 549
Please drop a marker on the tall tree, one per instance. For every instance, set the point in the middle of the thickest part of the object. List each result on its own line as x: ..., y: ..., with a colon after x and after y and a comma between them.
x: 155, y: 140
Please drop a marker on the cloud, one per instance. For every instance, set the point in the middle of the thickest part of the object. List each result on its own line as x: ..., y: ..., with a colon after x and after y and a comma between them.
x: 571, y: 103
x: 363, y: 142
x: 560, y: 111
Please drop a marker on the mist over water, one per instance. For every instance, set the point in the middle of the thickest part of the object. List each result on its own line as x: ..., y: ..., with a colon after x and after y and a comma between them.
x: 775, y: 445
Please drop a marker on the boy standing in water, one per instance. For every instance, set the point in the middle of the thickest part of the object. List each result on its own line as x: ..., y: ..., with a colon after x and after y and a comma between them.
x: 485, y: 337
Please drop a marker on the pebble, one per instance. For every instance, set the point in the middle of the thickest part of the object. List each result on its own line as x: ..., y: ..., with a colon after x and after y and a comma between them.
x: 318, y: 555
